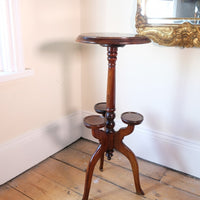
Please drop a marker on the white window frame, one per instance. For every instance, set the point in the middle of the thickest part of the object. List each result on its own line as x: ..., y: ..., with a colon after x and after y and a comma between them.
x: 11, y: 54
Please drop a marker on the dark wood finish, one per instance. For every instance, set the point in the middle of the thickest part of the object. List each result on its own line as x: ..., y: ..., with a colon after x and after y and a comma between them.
x: 110, y: 103
x: 100, y: 108
x: 95, y: 157
x: 121, y: 147
x: 108, y: 138
x: 132, y: 118
x: 109, y: 39
x: 94, y: 121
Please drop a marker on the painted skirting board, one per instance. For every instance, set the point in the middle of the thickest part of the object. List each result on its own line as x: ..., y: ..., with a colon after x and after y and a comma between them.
x: 26, y: 151
x: 35, y: 146
x: 167, y: 150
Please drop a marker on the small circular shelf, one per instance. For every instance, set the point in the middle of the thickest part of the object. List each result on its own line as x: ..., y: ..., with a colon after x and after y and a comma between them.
x: 94, y: 121
x: 132, y: 118
x: 100, y: 108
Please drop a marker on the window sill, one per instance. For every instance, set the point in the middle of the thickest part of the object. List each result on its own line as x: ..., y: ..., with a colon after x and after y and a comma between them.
x: 7, y: 76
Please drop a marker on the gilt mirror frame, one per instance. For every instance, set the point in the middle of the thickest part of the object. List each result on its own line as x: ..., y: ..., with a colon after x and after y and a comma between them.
x: 184, y: 34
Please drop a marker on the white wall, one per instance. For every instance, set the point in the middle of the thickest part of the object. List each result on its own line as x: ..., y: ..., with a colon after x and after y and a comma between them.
x: 162, y: 83
x: 49, y: 28
x: 39, y: 114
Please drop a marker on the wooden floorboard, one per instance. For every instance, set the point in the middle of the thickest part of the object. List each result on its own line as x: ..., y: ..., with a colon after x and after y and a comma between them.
x: 146, y: 168
x: 8, y: 193
x: 62, y: 176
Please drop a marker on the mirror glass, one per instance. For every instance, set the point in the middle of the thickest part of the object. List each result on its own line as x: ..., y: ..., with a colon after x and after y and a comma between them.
x: 171, y: 11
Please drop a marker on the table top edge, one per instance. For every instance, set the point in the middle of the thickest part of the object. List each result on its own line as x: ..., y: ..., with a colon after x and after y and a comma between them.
x: 112, y: 39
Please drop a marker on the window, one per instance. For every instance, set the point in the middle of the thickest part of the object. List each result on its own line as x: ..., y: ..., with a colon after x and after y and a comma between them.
x: 11, y: 57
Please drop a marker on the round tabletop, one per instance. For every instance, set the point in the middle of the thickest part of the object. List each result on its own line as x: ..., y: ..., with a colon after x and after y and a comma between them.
x: 112, y: 39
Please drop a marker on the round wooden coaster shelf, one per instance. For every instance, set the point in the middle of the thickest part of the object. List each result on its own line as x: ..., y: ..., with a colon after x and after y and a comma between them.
x: 132, y: 118
x: 100, y: 108
x: 94, y: 121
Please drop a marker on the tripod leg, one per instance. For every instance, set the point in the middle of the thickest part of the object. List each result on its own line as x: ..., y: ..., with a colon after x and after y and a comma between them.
x: 95, y: 157
x: 121, y: 147
x: 101, y: 163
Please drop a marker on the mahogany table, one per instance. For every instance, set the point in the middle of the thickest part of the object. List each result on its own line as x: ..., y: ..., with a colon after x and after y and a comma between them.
x: 110, y: 139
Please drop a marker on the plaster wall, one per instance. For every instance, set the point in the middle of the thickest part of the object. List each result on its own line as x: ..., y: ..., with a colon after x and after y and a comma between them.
x: 49, y: 29
x: 160, y: 82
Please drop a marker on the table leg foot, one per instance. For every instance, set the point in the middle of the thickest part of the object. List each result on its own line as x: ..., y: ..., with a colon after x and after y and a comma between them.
x: 95, y: 157
x: 101, y: 163
x: 134, y: 165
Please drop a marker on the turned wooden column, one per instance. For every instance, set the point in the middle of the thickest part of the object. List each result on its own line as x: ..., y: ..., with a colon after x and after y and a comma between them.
x: 110, y: 99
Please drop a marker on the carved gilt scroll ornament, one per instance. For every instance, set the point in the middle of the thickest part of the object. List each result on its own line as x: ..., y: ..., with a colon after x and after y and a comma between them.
x: 182, y: 35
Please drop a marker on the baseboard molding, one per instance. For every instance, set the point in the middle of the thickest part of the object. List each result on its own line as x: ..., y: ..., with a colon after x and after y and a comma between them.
x: 31, y: 148
x: 35, y: 146
x: 168, y: 150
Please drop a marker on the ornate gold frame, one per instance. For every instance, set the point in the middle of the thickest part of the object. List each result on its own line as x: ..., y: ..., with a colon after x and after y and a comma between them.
x: 182, y: 35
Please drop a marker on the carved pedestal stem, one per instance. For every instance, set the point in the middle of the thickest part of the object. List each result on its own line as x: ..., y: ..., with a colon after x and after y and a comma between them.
x: 110, y: 103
